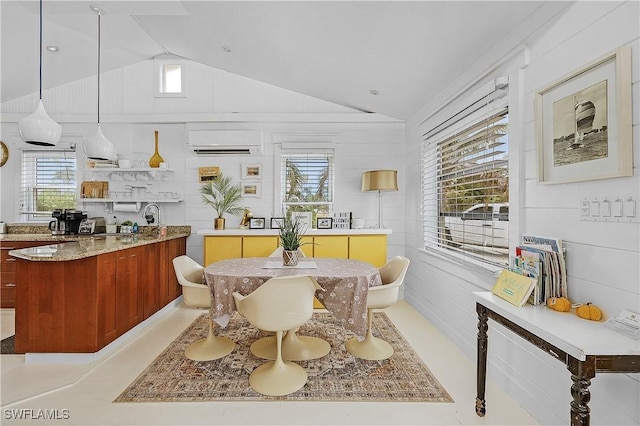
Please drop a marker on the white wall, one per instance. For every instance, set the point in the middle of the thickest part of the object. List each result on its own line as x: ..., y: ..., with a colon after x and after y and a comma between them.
x: 130, y: 114
x: 603, y: 258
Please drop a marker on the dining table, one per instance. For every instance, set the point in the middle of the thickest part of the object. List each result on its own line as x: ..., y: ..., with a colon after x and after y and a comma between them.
x: 345, y: 283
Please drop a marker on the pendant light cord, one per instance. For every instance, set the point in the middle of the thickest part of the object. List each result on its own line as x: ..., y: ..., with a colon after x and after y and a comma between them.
x: 40, y: 91
x: 98, y: 67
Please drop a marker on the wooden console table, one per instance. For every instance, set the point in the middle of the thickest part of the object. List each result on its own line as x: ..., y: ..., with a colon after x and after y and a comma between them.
x: 585, y: 347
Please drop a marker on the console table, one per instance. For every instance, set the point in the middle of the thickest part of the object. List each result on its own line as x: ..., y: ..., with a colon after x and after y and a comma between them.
x: 585, y: 347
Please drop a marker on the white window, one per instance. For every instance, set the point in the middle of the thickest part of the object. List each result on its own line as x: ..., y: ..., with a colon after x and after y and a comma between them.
x: 48, y: 181
x: 306, y: 183
x: 169, y: 76
x: 465, y: 174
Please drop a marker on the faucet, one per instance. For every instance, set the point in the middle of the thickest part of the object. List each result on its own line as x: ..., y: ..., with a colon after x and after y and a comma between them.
x: 150, y: 217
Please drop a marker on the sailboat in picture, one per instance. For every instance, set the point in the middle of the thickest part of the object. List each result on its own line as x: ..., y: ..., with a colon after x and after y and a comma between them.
x: 584, y: 114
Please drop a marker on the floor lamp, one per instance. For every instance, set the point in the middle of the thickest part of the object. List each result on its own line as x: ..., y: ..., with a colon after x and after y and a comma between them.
x: 380, y: 180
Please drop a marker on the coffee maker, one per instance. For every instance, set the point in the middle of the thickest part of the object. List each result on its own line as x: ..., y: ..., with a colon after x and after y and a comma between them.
x: 67, y: 221
x: 57, y: 226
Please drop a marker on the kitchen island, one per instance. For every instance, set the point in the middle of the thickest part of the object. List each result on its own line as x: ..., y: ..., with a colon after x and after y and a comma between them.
x: 80, y: 296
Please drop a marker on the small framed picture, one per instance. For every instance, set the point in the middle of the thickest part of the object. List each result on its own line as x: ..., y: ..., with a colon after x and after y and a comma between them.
x: 277, y: 222
x: 252, y: 171
x: 252, y: 189
x: 256, y: 223
x: 303, y: 218
x: 324, y: 223
x: 208, y: 174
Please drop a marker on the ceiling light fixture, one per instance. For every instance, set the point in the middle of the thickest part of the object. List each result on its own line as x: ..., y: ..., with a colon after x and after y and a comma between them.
x: 226, y: 49
x: 98, y: 147
x: 38, y: 128
x: 52, y: 49
x: 374, y: 92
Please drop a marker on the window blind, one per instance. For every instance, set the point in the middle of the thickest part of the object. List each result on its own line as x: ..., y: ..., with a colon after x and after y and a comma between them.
x: 48, y: 181
x: 465, y: 182
x: 307, y: 183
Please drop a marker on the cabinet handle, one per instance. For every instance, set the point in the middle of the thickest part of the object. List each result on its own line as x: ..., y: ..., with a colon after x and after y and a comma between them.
x: 10, y: 285
x: 10, y: 259
x: 8, y: 248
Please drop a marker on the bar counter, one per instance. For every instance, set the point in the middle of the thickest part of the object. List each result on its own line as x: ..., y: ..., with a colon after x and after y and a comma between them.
x: 77, y: 294
x: 73, y: 247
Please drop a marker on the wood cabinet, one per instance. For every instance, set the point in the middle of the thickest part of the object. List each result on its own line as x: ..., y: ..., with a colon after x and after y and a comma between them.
x: 8, y: 270
x: 83, y: 305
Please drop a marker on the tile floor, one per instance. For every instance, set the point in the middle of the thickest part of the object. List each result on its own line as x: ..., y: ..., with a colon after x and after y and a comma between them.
x: 87, y: 391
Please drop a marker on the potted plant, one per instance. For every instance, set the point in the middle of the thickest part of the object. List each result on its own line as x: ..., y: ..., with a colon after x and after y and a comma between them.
x: 223, y: 197
x: 291, y: 233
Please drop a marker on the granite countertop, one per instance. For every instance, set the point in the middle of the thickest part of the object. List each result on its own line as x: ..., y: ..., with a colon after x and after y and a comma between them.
x: 73, y: 247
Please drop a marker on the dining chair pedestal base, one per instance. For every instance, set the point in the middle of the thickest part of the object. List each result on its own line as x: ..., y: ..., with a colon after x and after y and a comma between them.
x: 294, y: 347
x: 277, y: 378
x: 210, y: 348
x: 371, y: 348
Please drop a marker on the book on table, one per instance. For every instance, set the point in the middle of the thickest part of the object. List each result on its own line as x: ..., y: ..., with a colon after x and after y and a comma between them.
x: 513, y: 287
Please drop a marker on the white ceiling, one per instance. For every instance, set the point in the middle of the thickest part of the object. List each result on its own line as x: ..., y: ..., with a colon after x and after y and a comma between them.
x: 333, y: 50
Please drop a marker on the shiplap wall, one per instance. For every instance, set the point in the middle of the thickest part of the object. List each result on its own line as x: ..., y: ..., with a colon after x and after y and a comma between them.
x: 361, y: 143
x: 603, y: 258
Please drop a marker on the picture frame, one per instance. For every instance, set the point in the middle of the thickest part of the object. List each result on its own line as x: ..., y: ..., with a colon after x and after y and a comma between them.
x: 303, y: 218
x: 207, y: 174
x: 252, y: 171
x: 277, y: 222
x: 256, y: 223
x: 583, y: 122
x: 324, y: 223
x: 252, y: 189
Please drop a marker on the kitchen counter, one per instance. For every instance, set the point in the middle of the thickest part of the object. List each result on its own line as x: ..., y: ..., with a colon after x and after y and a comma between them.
x: 73, y: 247
x: 81, y: 293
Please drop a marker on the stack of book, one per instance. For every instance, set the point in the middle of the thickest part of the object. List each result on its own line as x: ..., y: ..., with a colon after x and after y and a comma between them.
x: 543, y: 259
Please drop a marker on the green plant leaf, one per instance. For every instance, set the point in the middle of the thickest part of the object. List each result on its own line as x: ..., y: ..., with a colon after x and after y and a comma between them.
x: 222, y: 196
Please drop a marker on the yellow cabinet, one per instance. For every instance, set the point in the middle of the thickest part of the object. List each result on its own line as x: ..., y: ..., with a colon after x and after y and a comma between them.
x: 259, y: 246
x: 331, y: 246
x: 368, y: 248
x: 307, y: 248
x: 220, y: 248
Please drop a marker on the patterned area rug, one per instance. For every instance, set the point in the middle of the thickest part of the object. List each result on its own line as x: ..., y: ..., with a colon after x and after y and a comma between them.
x: 339, y: 376
x: 7, y: 346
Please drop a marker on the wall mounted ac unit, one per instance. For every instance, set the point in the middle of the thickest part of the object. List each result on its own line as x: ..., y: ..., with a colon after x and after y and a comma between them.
x: 225, y: 142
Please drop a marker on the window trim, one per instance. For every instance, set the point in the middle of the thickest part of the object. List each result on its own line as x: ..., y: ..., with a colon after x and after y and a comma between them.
x: 159, y: 63
x: 438, y: 133
x: 287, y: 148
x: 29, y: 215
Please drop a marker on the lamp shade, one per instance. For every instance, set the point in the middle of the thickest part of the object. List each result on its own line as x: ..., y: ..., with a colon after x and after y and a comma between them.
x: 39, y: 129
x: 380, y: 180
x: 98, y: 147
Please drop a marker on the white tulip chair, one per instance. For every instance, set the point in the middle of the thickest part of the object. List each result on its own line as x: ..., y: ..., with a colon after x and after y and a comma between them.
x: 380, y: 297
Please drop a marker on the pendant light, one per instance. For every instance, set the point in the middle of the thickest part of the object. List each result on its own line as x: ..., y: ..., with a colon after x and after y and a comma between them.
x: 38, y: 128
x: 98, y: 147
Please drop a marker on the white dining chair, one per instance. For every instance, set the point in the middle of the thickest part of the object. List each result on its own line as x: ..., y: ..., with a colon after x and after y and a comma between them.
x: 278, y: 305
x: 196, y: 294
x: 380, y: 297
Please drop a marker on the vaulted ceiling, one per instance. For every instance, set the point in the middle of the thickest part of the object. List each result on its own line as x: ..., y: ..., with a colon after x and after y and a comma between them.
x: 338, y: 51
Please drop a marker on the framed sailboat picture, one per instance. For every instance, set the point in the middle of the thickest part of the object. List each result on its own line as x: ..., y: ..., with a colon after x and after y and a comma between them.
x: 583, y: 123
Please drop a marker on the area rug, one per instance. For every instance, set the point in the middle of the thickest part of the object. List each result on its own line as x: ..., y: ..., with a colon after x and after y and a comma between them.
x: 338, y: 376
x: 7, y: 345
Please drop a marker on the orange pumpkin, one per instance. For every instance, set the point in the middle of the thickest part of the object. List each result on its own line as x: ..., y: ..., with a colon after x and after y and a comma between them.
x: 561, y: 304
x: 589, y: 311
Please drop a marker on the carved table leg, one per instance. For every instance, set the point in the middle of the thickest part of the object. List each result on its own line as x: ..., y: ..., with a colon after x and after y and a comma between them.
x: 581, y: 373
x: 481, y: 373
